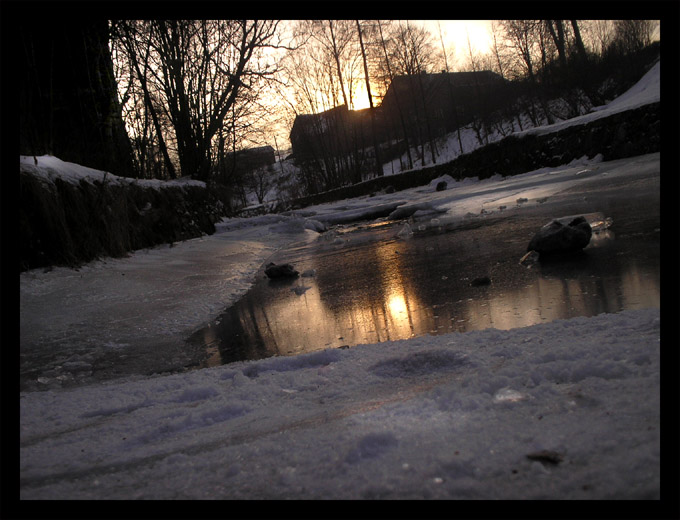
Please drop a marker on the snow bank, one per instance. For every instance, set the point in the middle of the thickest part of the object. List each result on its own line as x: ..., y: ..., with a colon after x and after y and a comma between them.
x: 482, y: 415
x: 644, y: 92
x: 49, y: 168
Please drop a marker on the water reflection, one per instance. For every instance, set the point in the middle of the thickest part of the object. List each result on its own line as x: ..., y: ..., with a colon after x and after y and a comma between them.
x: 381, y: 289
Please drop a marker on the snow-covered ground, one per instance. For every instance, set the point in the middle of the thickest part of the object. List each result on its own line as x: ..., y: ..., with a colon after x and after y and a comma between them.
x: 568, y: 409
x: 454, y: 416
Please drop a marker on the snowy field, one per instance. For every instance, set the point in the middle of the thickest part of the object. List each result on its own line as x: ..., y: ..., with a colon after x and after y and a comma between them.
x: 562, y: 410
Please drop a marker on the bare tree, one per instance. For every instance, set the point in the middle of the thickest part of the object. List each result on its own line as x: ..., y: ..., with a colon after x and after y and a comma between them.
x: 521, y: 37
x: 376, y: 150
x: 632, y: 35
x: 601, y: 34
x: 412, y: 50
x: 452, y: 98
x: 132, y: 38
x: 556, y: 29
x: 578, y: 41
x: 396, y: 94
x: 524, y: 38
x: 203, y: 70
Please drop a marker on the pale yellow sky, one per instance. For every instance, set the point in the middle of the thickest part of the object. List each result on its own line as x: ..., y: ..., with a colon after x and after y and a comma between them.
x: 455, y: 35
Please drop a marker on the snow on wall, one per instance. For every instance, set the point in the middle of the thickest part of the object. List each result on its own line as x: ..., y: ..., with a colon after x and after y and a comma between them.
x: 50, y: 168
x: 72, y: 214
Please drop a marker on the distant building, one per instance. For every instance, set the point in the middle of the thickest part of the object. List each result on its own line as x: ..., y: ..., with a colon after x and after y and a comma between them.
x: 338, y: 143
x: 447, y: 100
x: 436, y: 85
x: 332, y: 147
x: 334, y: 131
x: 251, y: 159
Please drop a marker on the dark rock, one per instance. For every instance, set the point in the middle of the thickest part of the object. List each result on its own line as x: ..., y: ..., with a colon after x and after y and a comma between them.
x: 280, y: 271
x: 559, y: 238
x: 441, y: 186
x: 546, y: 457
x: 482, y: 280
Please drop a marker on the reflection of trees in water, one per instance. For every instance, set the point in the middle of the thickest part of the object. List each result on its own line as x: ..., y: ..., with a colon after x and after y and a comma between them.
x: 395, y: 289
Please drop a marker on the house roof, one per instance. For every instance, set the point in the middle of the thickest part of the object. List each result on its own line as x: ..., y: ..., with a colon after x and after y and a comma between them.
x: 433, y: 82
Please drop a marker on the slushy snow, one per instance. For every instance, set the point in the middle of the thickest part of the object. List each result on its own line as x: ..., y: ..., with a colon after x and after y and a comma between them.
x: 562, y: 410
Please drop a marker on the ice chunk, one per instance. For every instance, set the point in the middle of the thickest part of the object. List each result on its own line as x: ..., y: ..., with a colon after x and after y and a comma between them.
x: 508, y: 395
x: 405, y: 232
x: 601, y: 224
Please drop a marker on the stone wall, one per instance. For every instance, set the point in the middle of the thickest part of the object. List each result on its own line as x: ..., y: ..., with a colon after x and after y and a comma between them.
x: 64, y: 223
x: 626, y: 134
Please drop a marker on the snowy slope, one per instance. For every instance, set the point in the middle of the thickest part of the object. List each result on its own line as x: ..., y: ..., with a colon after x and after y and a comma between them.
x: 644, y: 92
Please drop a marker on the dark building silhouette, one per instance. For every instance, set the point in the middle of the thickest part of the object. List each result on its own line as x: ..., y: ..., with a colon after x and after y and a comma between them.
x: 334, y: 131
x: 251, y: 159
x: 449, y: 100
x: 415, y: 108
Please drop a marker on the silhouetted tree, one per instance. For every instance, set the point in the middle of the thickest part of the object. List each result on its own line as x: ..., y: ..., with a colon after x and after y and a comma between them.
x: 633, y: 35
x: 68, y: 95
x: 202, y: 70
x: 452, y: 98
x: 396, y: 93
x: 376, y: 150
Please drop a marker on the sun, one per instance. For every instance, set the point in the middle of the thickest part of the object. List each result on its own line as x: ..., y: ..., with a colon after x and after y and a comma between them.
x: 360, y: 97
x: 455, y: 34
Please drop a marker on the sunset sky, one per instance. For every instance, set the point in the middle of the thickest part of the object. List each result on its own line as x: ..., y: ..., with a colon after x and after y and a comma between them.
x: 455, y: 35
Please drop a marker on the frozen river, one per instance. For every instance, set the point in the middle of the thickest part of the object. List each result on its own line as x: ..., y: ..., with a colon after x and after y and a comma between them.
x: 562, y: 409
x: 565, y: 409
x: 371, y: 282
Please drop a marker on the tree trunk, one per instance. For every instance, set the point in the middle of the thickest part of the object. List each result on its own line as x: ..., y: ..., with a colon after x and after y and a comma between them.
x: 396, y: 98
x: 452, y: 98
x: 376, y: 149
x: 558, y: 38
x: 337, y: 64
x: 69, y: 101
x: 579, y: 42
x: 149, y: 108
x: 428, y: 129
